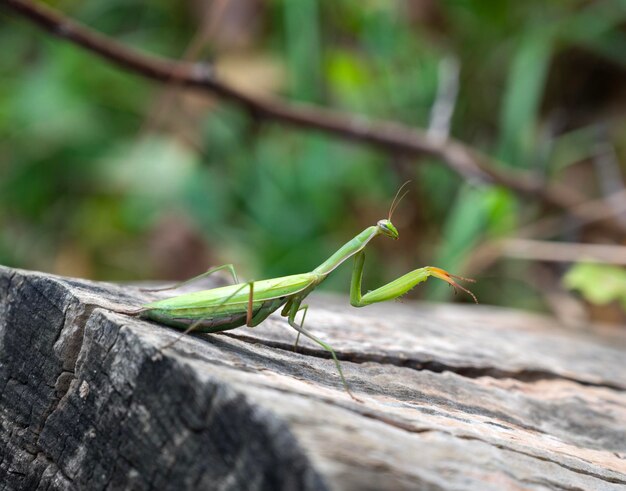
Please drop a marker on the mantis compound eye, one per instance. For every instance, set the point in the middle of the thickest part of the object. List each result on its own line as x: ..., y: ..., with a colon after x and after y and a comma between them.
x: 387, y: 228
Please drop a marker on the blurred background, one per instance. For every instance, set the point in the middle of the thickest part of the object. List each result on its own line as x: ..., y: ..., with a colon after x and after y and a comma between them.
x: 109, y: 176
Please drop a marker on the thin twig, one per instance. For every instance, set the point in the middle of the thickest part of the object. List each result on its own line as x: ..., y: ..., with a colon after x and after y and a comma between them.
x: 609, y: 174
x: 169, y: 93
x: 466, y: 161
x: 570, y: 252
x: 592, y: 211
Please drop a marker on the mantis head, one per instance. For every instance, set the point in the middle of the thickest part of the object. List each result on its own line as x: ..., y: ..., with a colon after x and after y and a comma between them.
x: 385, y: 227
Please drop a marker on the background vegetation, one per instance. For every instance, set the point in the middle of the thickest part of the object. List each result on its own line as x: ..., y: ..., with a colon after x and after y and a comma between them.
x: 109, y: 176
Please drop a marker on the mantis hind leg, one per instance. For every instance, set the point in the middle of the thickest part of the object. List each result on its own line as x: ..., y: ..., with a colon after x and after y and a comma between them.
x: 326, y: 346
x: 229, y: 267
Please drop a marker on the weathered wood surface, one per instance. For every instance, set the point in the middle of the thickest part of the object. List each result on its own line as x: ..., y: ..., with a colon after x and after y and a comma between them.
x: 454, y: 398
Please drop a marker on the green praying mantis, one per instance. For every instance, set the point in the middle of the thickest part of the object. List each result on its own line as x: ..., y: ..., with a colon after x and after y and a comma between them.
x: 250, y: 303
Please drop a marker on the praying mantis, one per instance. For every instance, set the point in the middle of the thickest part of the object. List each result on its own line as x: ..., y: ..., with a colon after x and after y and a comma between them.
x: 250, y: 303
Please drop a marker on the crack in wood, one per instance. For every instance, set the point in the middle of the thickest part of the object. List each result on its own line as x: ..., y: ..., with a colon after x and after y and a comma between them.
x: 613, y: 480
x: 527, y: 375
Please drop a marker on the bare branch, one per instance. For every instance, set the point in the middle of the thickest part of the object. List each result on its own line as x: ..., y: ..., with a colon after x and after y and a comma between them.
x: 399, y: 138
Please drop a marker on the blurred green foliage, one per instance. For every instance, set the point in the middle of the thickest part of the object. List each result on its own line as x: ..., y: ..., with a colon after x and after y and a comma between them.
x: 96, y: 180
x: 601, y: 284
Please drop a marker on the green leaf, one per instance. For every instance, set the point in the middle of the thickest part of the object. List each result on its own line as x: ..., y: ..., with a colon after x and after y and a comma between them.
x: 303, y: 47
x: 523, y: 96
x: 598, y: 283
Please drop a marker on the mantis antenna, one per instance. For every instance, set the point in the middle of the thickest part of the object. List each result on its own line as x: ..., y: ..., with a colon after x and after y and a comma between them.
x: 396, y: 200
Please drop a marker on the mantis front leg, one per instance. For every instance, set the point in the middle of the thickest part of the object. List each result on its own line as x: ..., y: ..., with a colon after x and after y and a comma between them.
x: 397, y: 287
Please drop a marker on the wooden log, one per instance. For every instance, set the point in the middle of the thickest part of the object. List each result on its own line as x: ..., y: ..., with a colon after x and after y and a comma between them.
x: 454, y: 397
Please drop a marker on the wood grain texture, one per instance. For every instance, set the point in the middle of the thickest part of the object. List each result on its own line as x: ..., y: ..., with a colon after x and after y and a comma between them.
x: 455, y: 398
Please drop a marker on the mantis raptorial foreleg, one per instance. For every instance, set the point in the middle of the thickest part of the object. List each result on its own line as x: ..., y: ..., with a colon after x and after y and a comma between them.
x: 397, y: 287
x: 229, y: 267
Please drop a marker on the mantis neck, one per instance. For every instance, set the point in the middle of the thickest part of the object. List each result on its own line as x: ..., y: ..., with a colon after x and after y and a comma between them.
x: 348, y: 250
